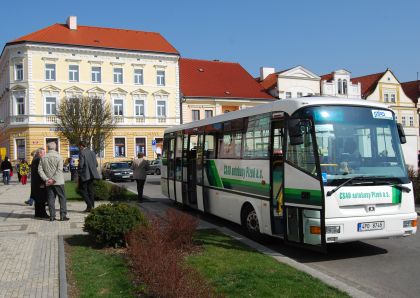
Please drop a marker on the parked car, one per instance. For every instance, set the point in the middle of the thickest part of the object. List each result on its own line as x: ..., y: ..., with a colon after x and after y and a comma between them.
x: 155, y: 167
x: 117, y: 171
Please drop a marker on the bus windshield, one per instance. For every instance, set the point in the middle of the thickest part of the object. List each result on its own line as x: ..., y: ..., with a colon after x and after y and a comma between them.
x: 357, y: 141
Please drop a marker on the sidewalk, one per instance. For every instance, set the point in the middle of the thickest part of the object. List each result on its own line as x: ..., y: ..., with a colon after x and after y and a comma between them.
x: 29, y: 247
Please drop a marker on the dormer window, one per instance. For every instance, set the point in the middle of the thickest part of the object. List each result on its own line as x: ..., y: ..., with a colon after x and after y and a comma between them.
x: 340, y: 86
x: 344, y: 86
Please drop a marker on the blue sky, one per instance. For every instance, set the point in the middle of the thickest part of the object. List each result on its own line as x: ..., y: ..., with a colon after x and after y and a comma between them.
x: 362, y: 36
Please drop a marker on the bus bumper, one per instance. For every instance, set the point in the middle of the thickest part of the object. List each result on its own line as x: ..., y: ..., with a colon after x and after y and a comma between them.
x: 372, y: 227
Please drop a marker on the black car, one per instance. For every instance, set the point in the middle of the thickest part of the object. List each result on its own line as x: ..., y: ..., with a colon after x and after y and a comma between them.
x: 117, y: 171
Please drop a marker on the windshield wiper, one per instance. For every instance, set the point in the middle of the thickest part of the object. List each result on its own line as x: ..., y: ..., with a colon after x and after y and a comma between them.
x: 329, y: 193
x: 399, y: 186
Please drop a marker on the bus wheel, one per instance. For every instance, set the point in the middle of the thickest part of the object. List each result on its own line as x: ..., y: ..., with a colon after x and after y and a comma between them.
x: 250, y: 222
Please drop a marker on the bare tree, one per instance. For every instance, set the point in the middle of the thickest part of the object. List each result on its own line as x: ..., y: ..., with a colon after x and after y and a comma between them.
x: 85, y: 118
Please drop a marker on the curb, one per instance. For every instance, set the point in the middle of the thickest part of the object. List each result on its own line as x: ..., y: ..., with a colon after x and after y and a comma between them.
x: 62, y: 269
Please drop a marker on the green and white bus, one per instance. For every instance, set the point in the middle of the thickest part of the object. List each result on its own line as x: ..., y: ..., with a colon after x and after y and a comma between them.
x: 312, y: 170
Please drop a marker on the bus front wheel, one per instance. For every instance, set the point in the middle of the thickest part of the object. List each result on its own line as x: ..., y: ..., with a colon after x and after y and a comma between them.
x: 250, y: 222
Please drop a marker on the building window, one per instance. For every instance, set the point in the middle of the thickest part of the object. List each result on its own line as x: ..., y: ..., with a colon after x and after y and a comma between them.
x: 118, y: 107
x: 19, y: 72
x: 138, y: 76
x: 403, y: 121
x: 161, y: 108
x: 392, y: 97
x: 141, y: 146
x: 299, y: 94
x: 20, y: 149
x: 118, y: 75
x: 50, y: 72
x: 411, y: 119
x: 96, y: 74
x: 160, y: 76
x: 73, y: 73
x: 139, y: 107
x: 195, y: 115
x: 386, y: 97
x: 340, y: 87
x: 119, y: 148
x: 20, y: 106
x: 209, y: 113
x: 288, y: 94
x: 50, y: 106
x: 344, y: 86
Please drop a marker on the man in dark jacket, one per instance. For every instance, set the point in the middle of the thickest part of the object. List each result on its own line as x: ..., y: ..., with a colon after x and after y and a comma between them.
x: 88, y: 172
x: 38, y: 189
x: 7, y: 169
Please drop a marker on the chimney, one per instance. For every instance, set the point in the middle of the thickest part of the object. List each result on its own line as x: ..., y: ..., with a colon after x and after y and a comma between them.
x: 72, y: 22
x: 265, y: 71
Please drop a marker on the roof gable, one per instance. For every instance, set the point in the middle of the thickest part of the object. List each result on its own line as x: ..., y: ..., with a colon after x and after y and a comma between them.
x: 299, y: 72
x: 203, y: 78
x: 368, y: 83
x: 412, y: 90
x: 99, y: 37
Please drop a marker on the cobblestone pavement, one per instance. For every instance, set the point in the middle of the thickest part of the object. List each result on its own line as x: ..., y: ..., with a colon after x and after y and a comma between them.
x: 29, y: 247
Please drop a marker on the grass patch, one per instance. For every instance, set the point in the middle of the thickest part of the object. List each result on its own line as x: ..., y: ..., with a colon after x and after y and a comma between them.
x: 235, y: 270
x: 71, y: 193
x: 94, y: 272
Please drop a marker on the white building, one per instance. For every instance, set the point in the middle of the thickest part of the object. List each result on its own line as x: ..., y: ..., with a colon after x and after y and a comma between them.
x: 291, y: 83
x: 338, y: 83
x: 384, y: 87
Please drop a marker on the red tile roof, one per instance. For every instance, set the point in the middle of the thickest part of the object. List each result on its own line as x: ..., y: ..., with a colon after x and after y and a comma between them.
x: 368, y: 83
x: 203, y: 78
x: 412, y: 90
x: 100, y: 38
x: 270, y: 81
x: 327, y: 77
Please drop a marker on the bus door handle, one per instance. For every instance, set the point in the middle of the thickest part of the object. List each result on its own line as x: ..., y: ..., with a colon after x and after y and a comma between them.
x: 305, y: 195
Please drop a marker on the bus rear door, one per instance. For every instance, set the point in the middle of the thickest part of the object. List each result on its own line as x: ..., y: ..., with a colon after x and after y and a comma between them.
x: 303, y: 197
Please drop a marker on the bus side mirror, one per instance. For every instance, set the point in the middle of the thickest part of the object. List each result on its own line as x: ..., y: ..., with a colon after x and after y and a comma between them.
x: 295, y: 132
x: 401, y: 133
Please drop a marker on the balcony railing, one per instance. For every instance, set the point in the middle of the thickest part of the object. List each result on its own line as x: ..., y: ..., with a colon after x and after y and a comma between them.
x: 51, y: 119
x: 19, y: 119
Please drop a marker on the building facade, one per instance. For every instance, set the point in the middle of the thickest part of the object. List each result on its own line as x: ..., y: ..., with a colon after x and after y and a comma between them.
x: 412, y: 90
x: 136, y: 72
x: 384, y: 87
x: 211, y: 88
x: 339, y: 84
x: 291, y: 83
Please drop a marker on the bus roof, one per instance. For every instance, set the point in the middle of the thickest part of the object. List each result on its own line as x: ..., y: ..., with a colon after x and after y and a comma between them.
x: 284, y: 105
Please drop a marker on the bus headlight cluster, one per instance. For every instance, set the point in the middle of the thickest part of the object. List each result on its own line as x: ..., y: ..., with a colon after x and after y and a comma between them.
x: 332, y: 229
x: 410, y: 223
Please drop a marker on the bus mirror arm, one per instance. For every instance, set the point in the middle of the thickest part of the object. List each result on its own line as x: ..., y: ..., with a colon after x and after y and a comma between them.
x: 401, y: 133
x: 295, y: 132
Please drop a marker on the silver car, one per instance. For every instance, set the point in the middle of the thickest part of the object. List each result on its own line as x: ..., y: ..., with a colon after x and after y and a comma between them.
x: 155, y: 167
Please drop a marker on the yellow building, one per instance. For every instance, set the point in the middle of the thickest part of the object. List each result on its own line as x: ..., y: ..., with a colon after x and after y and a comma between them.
x: 136, y: 71
x: 211, y: 88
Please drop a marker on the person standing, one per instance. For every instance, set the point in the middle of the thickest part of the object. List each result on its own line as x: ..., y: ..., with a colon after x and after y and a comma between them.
x: 38, y: 190
x: 50, y: 170
x: 140, y: 166
x: 88, y: 172
x: 18, y: 170
x: 7, y: 169
x: 23, y: 171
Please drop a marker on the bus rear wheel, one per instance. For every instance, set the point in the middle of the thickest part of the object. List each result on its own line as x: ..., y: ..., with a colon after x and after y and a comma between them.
x: 250, y: 223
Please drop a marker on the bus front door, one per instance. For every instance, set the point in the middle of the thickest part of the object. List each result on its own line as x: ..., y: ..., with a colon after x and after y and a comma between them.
x: 303, y: 197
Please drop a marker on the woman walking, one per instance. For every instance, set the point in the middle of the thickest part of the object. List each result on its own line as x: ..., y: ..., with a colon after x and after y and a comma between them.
x: 23, y: 171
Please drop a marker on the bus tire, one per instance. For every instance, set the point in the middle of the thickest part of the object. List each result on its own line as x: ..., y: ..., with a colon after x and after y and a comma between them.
x: 250, y: 222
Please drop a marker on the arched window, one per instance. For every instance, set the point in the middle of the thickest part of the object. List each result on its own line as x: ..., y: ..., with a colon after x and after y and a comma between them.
x: 344, y: 86
x: 339, y: 86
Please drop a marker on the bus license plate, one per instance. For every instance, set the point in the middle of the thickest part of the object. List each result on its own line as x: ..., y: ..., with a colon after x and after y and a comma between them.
x: 370, y: 226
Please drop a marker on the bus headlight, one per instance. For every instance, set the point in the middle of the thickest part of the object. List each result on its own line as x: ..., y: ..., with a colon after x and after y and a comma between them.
x: 410, y: 223
x: 332, y: 229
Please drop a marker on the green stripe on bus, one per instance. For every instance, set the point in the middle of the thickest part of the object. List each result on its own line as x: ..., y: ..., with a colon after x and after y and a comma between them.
x: 246, y: 186
x: 396, y: 195
x: 295, y: 194
x: 213, y: 174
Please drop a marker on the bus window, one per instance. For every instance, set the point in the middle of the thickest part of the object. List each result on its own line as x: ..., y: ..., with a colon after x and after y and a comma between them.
x: 171, y: 157
x: 230, y: 145
x: 178, y: 158
x: 209, y: 147
x: 257, y: 137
